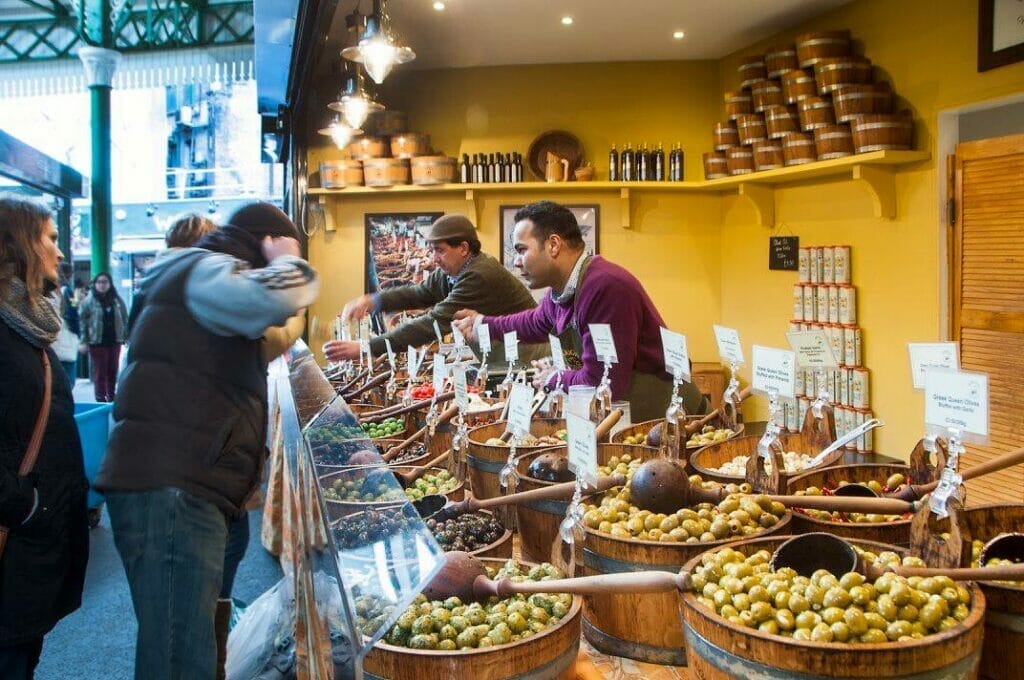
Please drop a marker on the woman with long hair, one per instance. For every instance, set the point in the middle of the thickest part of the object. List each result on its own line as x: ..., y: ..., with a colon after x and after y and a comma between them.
x: 104, y: 322
x: 42, y: 478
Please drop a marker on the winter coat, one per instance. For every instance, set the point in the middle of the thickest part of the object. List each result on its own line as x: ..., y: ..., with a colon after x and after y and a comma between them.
x: 90, y: 314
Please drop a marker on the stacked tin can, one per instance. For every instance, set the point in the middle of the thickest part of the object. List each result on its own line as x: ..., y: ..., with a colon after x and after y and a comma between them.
x: 824, y: 298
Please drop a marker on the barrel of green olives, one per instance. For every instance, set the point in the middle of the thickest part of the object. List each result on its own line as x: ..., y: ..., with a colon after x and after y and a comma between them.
x: 1002, y: 655
x: 538, y: 521
x: 441, y: 441
x: 349, y: 491
x: 548, y: 653
x: 484, y: 461
x: 647, y: 626
x: 720, y: 649
x: 890, y: 529
x: 360, y: 409
x: 637, y: 432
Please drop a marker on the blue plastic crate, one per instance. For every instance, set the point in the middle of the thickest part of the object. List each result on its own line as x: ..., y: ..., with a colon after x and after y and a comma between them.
x: 93, y: 421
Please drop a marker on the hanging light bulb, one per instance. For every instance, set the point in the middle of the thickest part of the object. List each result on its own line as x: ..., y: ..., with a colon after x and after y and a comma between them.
x: 339, y: 132
x: 376, y: 50
x: 354, y: 103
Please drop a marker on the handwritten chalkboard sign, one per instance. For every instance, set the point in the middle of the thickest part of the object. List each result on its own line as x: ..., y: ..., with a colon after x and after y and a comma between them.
x: 782, y: 252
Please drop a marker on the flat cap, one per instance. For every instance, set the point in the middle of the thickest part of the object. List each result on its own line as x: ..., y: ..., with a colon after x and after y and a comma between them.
x: 451, y: 227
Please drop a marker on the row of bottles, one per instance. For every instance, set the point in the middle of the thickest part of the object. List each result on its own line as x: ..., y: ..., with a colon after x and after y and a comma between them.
x: 491, y: 168
x: 642, y: 165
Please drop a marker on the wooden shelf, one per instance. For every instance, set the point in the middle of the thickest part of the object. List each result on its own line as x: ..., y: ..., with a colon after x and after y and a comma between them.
x: 874, y: 170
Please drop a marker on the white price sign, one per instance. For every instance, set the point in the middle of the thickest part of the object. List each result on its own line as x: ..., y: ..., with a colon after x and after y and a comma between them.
x: 440, y: 373
x: 956, y: 399
x: 774, y: 368
x: 924, y: 356
x: 557, y: 356
x: 457, y: 337
x: 391, y: 353
x: 604, y: 344
x: 520, y: 400
x: 413, y: 361
x: 364, y: 328
x: 437, y: 332
x: 483, y: 338
x: 729, y: 347
x: 364, y: 349
x: 511, y: 347
x: 459, y: 377
x: 677, y: 356
x: 812, y: 349
x: 582, y: 442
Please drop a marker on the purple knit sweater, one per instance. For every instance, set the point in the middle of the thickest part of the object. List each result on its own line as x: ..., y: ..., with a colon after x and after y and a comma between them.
x: 608, y: 294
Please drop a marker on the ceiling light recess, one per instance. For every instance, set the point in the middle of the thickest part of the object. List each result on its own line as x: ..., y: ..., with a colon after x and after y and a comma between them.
x: 567, y: 20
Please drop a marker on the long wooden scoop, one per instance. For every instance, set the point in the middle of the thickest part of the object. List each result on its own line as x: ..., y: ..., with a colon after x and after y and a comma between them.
x: 393, y: 412
x: 377, y: 381
x: 695, y: 425
x: 911, y: 492
x: 409, y: 477
x: 538, y: 401
x: 397, y: 449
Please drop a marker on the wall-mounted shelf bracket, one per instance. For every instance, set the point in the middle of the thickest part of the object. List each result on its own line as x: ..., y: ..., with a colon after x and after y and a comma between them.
x: 881, y: 185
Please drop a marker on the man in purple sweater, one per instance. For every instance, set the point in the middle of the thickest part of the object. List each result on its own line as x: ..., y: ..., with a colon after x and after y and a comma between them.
x: 587, y: 289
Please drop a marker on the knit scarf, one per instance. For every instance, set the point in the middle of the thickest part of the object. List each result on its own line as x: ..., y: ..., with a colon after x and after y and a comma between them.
x: 38, y: 325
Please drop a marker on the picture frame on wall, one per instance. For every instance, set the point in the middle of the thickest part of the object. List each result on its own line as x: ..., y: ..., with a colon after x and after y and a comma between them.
x: 396, y: 254
x: 587, y: 215
x: 1000, y: 33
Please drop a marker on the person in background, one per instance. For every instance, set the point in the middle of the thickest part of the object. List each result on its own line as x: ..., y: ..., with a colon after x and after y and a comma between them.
x: 190, y: 424
x: 587, y: 289
x: 42, y: 567
x: 104, y: 324
x: 69, y: 315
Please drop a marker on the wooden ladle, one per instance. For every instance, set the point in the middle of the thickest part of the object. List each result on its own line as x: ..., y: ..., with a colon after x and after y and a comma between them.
x: 369, y: 385
x: 409, y: 477
x: 913, y: 492
x: 553, y: 465
x: 383, y: 414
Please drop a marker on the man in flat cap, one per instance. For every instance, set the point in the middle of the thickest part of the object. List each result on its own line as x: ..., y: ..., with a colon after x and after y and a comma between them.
x: 464, y: 278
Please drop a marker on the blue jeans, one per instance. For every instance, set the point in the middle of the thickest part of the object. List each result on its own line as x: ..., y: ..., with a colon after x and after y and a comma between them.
x: 172, y: 545
x: 238, y: 541
x: 71, y: 369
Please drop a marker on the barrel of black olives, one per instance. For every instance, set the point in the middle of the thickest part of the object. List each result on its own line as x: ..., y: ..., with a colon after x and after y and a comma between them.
x: 939, y: 640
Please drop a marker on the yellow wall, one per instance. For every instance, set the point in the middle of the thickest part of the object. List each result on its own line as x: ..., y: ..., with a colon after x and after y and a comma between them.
x: 702, y: 257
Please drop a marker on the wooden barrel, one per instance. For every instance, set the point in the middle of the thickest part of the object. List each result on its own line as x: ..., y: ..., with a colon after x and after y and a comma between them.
x: 367, y: 146
x: 835, y: 71
x: 751, y: 129
x: 385, y: 172
x: 485, y: 461
x: 766, y: 93
x: 341, y: 174
x: 812, y: 47
x: 737, y: 102
x: 409, y: 144
x: 798, y: 148
x: 715, y: 165
x: 752, y: 69
x: 854, y: 100
x: 739, y: 160
x: 878, y: 131
x: 428, y: 170
x: 501, y: 548
x: 780, y: 121
x: 896, y: 532
x: 768, y: 155
x: 646, y: 627
x: 549, y: 654
x: 538, y: 521
x: 1002, y: 655
x: 444, y: 433
x: 815, y: 112
x: 797, y: 84
x: 833, y: 141
x: 778, y: 60
x: 361, y: 408
x: 724, y: 135
x: 338, y: 509
x: 386, y: 123
x: 718, y: 649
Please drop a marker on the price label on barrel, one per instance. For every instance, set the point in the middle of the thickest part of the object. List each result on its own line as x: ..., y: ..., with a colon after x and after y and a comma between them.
x: 457, y: 337
x: 924, y: 356
x: 437, y: 332
x: 956, y: 399
x: 364, y: 350
x: 519, y: 412
x: 391, y: 353
x: 557, y: 356
x: 677, y: 356
x: 581, y: 437
x: 604, y: 343
x: 729, y: 347
x: 413, y: 359
x: 774, y: 368
x: 459, y: 378
x: 440, y: 373
x: 511, y: 341
x: 483, y: 338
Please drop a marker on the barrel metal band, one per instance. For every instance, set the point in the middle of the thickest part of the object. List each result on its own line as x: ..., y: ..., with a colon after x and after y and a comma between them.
x: 552, y: 669
x: 603, y: 642
x: 1004, y: 621
x: 484, y: 464
x: 738, y: 667
x: 549, y: 507
x: 610, y: 565
x: 874, y: 147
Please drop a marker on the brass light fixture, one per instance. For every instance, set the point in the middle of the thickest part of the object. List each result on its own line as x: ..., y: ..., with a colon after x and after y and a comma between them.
x: 340, y: 132
x: 354, y: 103
x: 376, y: 50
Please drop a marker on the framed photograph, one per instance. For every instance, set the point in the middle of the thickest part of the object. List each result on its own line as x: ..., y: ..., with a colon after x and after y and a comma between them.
x: 588, y: 217
x: 1000, y: 33
x: 396, y: 254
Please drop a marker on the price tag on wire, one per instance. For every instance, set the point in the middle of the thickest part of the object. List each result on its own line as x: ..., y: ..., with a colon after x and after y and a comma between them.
x: 391, y: 353
x: 483, y: 337
x: 437, y: 332
x: 413, y: 361
x: 774, y: 369
x: 520, y: 413
x: 677, y: 356
x: 956, y: 399
x: 812, y: 349
x: 511, y: 340
x: 461, y: 394
x: 604, y: 343
x: 729, y: 347
x: 457, y: 337
x: 557, y: 355
x: 364, y: 349
x: 440, y: 373
x: 925, y: 356
x: 582, y: 441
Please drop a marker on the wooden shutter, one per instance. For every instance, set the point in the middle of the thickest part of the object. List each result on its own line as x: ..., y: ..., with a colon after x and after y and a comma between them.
x: 988, y: 298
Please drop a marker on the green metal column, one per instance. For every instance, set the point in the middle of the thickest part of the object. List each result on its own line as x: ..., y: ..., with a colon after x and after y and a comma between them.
x: 99, y: 96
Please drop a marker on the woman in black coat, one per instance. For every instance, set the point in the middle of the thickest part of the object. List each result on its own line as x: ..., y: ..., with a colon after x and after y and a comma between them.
x: 42, y: 568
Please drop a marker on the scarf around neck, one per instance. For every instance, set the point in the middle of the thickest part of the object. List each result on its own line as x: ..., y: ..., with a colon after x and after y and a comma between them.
x: 38, y: 325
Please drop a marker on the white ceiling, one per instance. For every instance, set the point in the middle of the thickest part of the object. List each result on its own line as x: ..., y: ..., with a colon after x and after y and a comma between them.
x: 495, y: 32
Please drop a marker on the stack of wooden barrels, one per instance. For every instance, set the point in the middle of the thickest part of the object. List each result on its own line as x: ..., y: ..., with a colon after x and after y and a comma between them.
x: 801, y: 103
